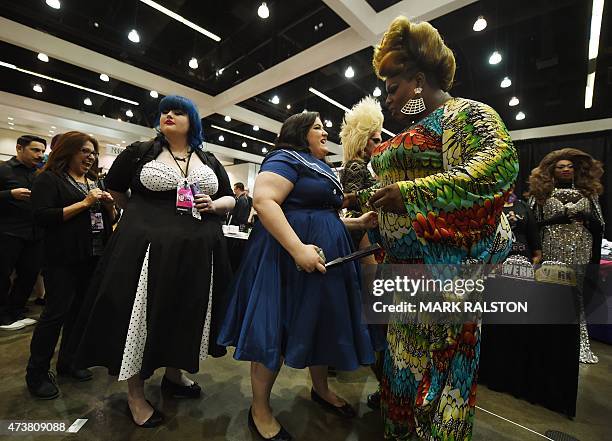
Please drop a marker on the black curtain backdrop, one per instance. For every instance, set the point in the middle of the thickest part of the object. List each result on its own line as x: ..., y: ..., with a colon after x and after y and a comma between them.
x: 597, y: 144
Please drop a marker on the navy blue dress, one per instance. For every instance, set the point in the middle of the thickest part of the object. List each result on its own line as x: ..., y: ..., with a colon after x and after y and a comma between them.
x: 275, y: 310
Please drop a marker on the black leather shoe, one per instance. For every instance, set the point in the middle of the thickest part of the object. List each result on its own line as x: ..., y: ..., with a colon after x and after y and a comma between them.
x: 75, y: 374
x: 282, y: 434
x: 374, y: 401
x: 42, y: 386
x: 345, y: 411
x: 154, y: 420
x: 180, y: 391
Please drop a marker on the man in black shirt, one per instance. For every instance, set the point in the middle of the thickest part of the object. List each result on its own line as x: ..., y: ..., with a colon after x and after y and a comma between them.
x: 19, y: 239
x: 241, y: 211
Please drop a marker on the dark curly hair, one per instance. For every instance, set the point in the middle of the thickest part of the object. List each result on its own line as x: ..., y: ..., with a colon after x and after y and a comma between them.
x: 587, y: 173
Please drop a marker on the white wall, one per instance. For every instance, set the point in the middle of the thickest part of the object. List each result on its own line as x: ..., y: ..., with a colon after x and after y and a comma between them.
x: 244, y: 173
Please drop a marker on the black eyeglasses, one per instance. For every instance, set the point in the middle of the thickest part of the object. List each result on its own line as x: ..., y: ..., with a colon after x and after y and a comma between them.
x: 87, y: 152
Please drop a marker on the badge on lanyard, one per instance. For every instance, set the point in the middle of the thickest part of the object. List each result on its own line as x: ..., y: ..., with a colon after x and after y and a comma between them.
x: 184, y: 199
x: 97, y: 221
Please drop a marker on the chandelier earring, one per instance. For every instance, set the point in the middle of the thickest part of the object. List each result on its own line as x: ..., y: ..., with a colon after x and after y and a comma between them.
x: 415, y: 105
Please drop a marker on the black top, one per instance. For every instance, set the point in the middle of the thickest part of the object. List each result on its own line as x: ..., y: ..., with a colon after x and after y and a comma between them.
x: 66, y: 242
x: 16, y: 217
x: 241, y: 211
x: 525, y: 229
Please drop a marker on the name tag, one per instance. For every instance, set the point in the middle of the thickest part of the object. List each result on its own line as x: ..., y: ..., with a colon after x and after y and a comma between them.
x: 97, y: 221
x: 184, y: 199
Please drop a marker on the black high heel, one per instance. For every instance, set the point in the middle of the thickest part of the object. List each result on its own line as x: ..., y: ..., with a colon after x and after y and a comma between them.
x: 154, y: 420
x: 282, y: 434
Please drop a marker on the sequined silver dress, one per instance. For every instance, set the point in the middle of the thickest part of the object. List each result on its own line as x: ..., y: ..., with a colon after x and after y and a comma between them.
x: 571, y: 243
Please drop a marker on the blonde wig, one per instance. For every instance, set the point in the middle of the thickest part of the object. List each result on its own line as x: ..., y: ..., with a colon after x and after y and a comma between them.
x: 412, y: 47
x: 359, y: 124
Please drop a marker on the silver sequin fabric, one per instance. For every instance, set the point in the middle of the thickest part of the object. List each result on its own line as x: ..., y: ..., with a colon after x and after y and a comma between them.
x: 571, y: 244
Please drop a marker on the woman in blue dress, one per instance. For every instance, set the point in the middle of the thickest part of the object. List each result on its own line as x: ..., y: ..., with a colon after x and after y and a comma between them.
x: 285, y: 306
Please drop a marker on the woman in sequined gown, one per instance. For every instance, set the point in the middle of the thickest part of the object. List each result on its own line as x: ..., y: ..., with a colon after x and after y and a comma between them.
x: 443, y: 182
x: 564, y: 190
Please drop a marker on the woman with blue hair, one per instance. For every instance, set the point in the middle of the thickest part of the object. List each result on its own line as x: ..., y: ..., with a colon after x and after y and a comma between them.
x: 161, y: 280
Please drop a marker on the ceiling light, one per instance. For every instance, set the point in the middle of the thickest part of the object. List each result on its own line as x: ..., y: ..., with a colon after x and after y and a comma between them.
x: 181, y: 19
x: 12, y: 128
x: 129, y: 113
x: 480, y: 24
x: 119, y: 119
x: 514, y: 101
x: 288, y: 106
x: 122, y: 141
x: 240, y: 134
x: 76, y: 86
x: 53, y: 127
x: 304, y: 111
x: 51, y: 132
x: 55, y: 4
x: 349, y: 72
x: 87, y: 102
x: 11, y: 124
x: 219, y: 72
x: 520, y: 116
x: 10, y: 118
x: 193, y: 63
x: 275, y: 99
x: 96, y: 24
x: 221, y: 138
x: 154, y: 94
x: 37, y: 88
x: 43, y: 57
x: 377, y: 91
x: 328, y: 123
x: 337, y: 104
x: 264, y: 150
x: 256, y: 128
x: 263, y: 10
x: 596, y: 16
x: 495, y: 58
x: 227, y: 118
x: 104, y: 78
x: 506, y: 82
x: 133, y: 36
x: 588, y: 93
x: 244, y: 144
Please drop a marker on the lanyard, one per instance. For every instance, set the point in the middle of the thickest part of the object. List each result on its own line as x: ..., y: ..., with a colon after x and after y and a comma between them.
x: 77, y: 186
x: 183, y: 173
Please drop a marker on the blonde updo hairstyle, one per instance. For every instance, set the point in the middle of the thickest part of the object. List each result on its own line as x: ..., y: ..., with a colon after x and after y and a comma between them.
x: 412, y: 47
x: 359, y: 124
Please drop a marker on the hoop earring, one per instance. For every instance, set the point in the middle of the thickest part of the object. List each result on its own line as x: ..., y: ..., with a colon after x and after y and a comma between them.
x: 415, y: 105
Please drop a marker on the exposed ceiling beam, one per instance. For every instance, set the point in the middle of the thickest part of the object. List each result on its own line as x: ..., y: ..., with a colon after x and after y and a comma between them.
x: 46, y: 114
x: 357, y: 14
x: 596, y: 125
x: 335, y: 47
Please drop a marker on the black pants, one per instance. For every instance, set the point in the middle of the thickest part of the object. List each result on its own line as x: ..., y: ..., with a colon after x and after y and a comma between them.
x: 66, y: 286
x: 25, y: 257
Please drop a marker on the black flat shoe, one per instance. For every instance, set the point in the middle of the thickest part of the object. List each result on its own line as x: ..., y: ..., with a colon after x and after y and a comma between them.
x: 345, y: 411
x: 154, y: 420
x: 374, y: 401
x: 282, y: 434
x: 42, y: 386
x: 180, y: 391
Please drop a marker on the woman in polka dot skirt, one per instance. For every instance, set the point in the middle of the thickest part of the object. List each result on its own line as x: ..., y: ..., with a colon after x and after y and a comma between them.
x: 156, y: 300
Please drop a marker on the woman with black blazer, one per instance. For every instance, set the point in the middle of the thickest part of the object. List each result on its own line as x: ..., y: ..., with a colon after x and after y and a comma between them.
x: 77, y: 217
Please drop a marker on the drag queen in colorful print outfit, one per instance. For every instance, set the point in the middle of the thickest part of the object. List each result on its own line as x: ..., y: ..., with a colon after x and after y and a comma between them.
x: 443, y: 182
